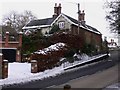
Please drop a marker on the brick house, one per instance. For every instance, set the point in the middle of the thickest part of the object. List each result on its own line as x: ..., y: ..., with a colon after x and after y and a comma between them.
x: 11, y: 50
x: 89, y: 34
x: 112, y: 44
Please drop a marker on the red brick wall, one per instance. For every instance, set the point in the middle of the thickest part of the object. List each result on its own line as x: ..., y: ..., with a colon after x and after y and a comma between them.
x: 74, y: 30
x: 93, y: 38
x: 14, y: 44
x: 11, y: 44
x: 98, y: 40
x: 88, y: 36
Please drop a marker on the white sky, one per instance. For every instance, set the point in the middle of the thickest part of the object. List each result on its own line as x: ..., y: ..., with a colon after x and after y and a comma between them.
x: 94, y: 10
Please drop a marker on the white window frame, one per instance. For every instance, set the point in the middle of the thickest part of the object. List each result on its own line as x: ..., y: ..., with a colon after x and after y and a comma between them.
x: 61, y: 24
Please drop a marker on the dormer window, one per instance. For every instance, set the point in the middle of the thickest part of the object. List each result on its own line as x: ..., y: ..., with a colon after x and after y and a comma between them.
x: 61, y: 24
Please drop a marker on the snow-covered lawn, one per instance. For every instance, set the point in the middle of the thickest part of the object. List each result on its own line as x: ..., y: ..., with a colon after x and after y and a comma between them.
x: 115, y: 86
x: 84, y: 59
x: 21, y: 72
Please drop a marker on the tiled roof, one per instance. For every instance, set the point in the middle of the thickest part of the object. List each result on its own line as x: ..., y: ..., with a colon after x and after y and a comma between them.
x: 83, y: 25
x: 72, y: 19
x: 39, y: 22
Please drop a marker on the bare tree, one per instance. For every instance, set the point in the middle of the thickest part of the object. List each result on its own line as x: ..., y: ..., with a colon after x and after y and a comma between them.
x: 16, y: 20
x: 113, y: 15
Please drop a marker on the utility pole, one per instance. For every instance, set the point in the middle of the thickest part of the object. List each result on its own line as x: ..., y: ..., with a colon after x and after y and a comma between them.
x: 78, y: 18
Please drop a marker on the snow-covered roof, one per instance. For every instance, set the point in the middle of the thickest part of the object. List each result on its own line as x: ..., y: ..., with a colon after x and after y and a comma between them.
x: 55, y: 47
x: 39, y: 23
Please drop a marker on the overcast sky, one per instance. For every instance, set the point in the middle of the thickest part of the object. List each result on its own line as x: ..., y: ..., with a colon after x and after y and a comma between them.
x: 94, y: 10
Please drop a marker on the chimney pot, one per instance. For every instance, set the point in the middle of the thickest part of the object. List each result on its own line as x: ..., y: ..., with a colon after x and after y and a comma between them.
x: 55, y: 4
x: 57, y: 10
x: 83, y: 11
x: 79, y: 12
x: 59, y: 4
x: 82, y: 16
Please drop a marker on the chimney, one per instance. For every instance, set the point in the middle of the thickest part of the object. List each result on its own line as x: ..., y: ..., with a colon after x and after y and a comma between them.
x: 7, y: 39
x: 57, y: 10
x: 82, y: 17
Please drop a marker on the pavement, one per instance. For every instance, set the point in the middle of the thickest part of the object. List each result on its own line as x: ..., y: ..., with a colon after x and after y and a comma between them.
x: 100, y: 79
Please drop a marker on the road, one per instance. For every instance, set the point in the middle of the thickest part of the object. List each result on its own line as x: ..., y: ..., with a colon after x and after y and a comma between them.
x: 97, y: 80
x: 73, y: 74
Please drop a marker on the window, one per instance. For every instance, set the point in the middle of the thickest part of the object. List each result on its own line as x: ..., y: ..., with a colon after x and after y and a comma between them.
x: 61, y: 24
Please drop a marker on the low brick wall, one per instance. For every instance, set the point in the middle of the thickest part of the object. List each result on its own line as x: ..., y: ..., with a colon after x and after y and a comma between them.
x: 92, y: 61
x: 0, y: 65
x: 3, y: 67
x: 34, y: 66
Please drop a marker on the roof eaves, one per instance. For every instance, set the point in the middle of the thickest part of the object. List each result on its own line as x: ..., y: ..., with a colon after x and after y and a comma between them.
x: 25, y: 25
x: 33, y: 27
x: 64, y: 17
x: 55, y: 20
x: 88, y: 29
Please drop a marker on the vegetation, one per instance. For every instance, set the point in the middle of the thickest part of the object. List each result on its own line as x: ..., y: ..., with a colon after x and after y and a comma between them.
x: 16, y: 20
x: 37, y: 41
x: 54, y: 29
x: 70, y: 53
x: 113, y: 15
x: 34, y: 42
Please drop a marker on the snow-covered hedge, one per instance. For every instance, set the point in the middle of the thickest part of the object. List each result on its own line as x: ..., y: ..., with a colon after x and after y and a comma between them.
x: 50, y: 56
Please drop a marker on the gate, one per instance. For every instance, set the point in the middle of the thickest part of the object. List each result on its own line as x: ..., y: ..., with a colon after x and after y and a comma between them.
x: 9, y: 54
x: 0, y: 65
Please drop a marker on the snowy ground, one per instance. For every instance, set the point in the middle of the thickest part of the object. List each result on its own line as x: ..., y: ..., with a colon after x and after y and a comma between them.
x: 115, y: 86
x: 21, y: 72
x: 84, y: 59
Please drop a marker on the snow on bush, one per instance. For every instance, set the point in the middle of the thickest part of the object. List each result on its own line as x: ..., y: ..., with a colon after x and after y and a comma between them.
x: 55, y: 47
x: 48, y: 58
